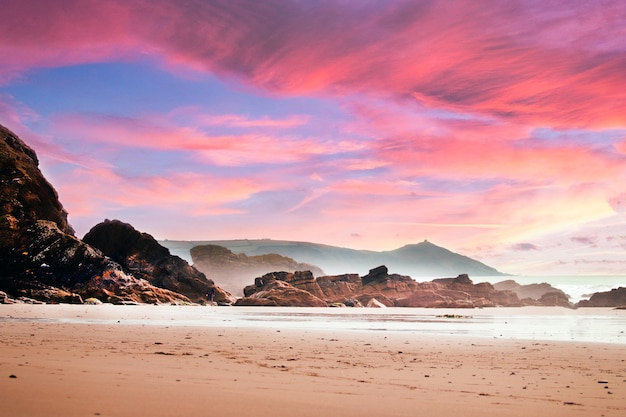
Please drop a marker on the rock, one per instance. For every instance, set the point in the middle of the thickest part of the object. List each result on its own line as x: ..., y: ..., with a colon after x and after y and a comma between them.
x: 233, y: 271
x: 365, y: 299
x: 41, y: 257
x: 423, y: 298
x: 25, y: 194
x: 556, y: 299
x: 302, y: 280
x: 378, y: 274
x: 614, y: 298
x: 506, y: 299
x: 144, y: 257
x: 339, y: 288
x: 351, y: 303
x: 337, y: 305
x: 92, y: 301
x: 379, y: 287
x: 374, y: 303
x: 275, y: 292
x: 53, y: 295
x: 533, y: 291
x: 461, y: 280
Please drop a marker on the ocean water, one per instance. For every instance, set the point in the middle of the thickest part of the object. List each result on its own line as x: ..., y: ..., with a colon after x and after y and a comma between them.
x: 589, y: 325
x: 578, y: 287
x: 596, y: 325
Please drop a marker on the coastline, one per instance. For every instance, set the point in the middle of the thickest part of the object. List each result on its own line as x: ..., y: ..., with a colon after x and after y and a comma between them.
x: 108, y: 368
x: 556, y: 324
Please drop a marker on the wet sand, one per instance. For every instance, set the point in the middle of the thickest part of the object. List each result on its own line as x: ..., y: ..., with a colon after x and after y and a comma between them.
x: 117, y: 369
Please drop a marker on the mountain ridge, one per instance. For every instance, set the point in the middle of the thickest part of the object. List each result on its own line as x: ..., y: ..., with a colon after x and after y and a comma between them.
x: 423, y: 259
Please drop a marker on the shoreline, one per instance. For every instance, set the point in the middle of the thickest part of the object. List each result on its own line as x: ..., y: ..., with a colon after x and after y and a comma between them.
x: 115, y: 369
x: 586, y: 325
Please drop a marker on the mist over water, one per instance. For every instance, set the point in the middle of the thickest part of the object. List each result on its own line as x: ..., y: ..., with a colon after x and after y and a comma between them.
x: 578, y: 287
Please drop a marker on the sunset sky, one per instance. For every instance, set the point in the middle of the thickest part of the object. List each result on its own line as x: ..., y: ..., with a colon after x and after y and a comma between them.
x: 496, y: 129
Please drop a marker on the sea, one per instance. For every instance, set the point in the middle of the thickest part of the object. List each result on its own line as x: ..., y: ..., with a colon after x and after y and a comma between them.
x: 584, y: 325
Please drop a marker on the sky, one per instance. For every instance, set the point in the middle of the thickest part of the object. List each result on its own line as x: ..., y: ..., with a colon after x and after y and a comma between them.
x: 496, y: 129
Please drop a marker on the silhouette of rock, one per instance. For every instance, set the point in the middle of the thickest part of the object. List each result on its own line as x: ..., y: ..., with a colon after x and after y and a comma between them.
x: 25, y: 194
x: 614, y: 298
x: 40, y: 257
x: 145, y: 258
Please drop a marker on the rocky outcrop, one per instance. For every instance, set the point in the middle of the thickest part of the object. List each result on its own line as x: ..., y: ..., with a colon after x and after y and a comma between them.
x: 278, y: 290
x: 533, y: 291
x: 25, y: 195
x: 379, y: 288
x: 234, y: 271
x: 145, y: 258
x: 614, y: 298
x: 45, y: 262
x: 40, y: 257
x: 554, y: 298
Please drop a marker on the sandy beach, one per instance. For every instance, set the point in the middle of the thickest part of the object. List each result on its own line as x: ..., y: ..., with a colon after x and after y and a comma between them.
x: 49, y: 367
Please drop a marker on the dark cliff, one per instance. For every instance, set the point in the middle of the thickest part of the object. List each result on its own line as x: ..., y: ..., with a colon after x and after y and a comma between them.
x: 40, y: 256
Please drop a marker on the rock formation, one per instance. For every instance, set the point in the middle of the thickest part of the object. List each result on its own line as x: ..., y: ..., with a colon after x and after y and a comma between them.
x: 41, y: 258
x: 145, y: 258
x: 234, y: 271
x: 379, y: 288
x: 533, y: 291
x: 614, y: 298
x: 278, y: 293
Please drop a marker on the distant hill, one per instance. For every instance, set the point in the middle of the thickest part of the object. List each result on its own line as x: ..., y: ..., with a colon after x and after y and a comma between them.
x: 234, y: 271
x: 417, y: 260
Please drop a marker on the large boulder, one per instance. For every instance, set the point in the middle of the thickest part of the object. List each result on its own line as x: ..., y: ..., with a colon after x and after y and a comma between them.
x: 142, y: 255
x: 614, y: 298
x: 340, y: 288
x: 279, y: 293
x: 301, y: 280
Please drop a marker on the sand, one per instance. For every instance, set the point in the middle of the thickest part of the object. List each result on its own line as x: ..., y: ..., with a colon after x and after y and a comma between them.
x: 50, y: 368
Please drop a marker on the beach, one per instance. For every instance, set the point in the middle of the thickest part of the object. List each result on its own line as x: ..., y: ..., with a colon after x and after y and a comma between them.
x: 61, y: 360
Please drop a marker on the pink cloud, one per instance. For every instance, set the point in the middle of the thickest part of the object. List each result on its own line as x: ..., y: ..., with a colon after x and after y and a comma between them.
x: 183, y: 194
x: 470, y: 57
x: 49, y: 34
x: 520, y: 60
x: 233, y: 149
x: 16, y: 117
x: 235, y: 120
x: 446, y: 100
